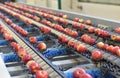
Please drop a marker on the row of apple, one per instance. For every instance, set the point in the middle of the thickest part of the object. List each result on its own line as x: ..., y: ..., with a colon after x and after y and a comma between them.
x: 23, y: 13
x: 20, y: 30
x: 25, y: 57
x: 56, y: 26
x: 88, y: 22
x: 97, y: 31
x: 90, y: 29
x: 109, y: 48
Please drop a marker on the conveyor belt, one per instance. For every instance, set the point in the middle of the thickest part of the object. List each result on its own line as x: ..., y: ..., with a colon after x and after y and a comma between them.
x: 113, y: 59
x: 53, y: 73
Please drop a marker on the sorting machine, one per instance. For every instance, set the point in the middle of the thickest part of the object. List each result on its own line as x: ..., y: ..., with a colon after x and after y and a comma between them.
x: 59, y: 60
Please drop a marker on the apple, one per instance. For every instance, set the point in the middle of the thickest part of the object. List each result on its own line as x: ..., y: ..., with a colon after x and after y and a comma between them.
x: 34, y: 67
x: 81, y: 20
x: 26, y: 58
x: 36, y: 18
x: 75, y: 25
x: 65, y: 22
x: 88, y: 22
x: 63, y: 39
x: 78, y: 72
x: 105, y: 34
x: 97, y: 55
x: 115, y: 49
x: 109, y: 48
x: 76, y: 45
x: 33, y: 39
x: 71, y: 43
x: 86, y: 75
x: 105, y: 46
x: 82, y: 26
x: 117, y: 30
x: 76, y: 19
x: 42, y: 46
x: 41, y: 74
x: 21, y: 52
x: 98, y: 31
x: 29, y: 21
x: 60, y: 14
x: 113, y: 37
x: 91, y: 29
x: 29, y: 63
x: 81, y: 48
x: 24, y: 33
x: 65, y: 16
x: 100, y: 44
x: 117, y: 39
x: 118, y: 52
x: 47, y: 30
x: 74, y: 34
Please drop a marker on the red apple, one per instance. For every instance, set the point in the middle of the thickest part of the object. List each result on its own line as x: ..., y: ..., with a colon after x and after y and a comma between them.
x: 109, y: 48
x: 118, y: 52
x: 26, y: 58
x: 78, y: 72
x: 105, y: 34
x: 97, y: 55
x: 22, y: 52
x: 117, y: 39
x: 42, y: 46
x: 29, y: 63
x: 81, y: 48
x: 105, y: 46
x: 34, y: 67
x: 115, y: 49
x: 33, y: 39
x: 41, y: 74
x: 100, y: 44
x: 86, y: 76
x: 60, y: 14
x: 75, y: 25
x: 25, y: 33
x: 76, y: 44
x: 91, y: 29
x: 76, y: 19
x: 74, y: 34
x: 117, y: 30
x: 82, y: 26
x: 88, y: 22
x: 71, y: 43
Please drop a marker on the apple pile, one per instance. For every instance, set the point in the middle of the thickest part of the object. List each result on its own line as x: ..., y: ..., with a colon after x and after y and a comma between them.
x: 88, y: 39
x: 81, y: 73
x: 109, y: 48
x: 16, y: 27
x: 24, y: 13
x: 117, y: 30
x: 6, y: 34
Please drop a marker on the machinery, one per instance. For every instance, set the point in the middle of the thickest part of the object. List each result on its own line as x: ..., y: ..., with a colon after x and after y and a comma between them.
x: 59, y: 59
